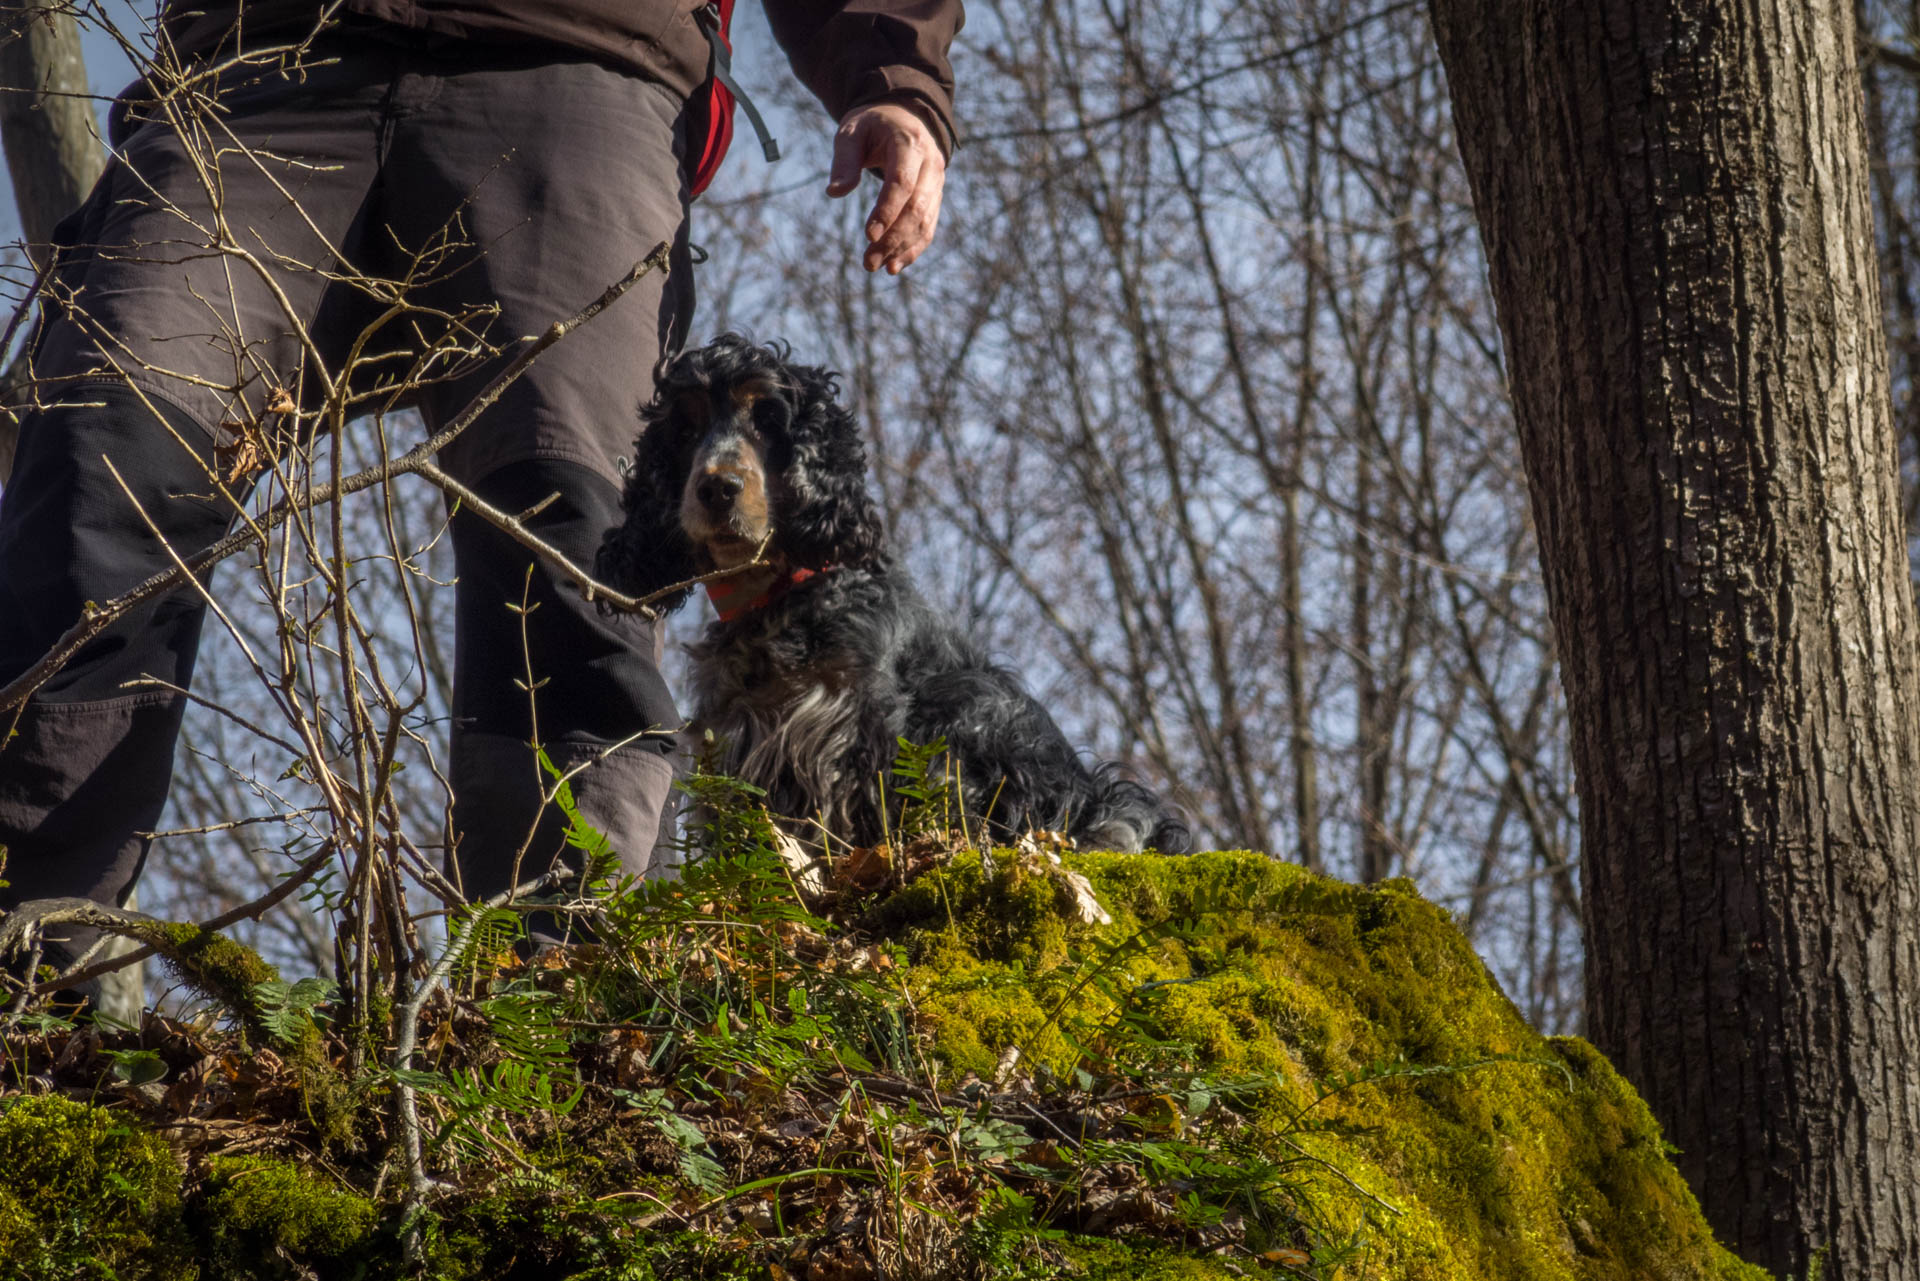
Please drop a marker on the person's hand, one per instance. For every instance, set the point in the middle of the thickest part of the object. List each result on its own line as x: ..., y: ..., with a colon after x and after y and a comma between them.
x: 892, y: 139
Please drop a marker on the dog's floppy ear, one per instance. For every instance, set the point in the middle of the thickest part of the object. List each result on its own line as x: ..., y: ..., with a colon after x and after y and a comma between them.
x: 833, y: 520
x: 649, y: 550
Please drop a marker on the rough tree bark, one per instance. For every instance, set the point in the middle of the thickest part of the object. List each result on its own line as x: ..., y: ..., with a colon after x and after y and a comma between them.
x: 47, y: 128
x: 1673, y: 195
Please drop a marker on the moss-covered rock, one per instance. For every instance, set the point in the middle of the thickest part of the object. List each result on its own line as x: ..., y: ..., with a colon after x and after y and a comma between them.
x: 1131, y: 1261
x: 86, y: 1194
x: 1321, y: 1079
x: 1432, y: 1126
x: 264, y: 1216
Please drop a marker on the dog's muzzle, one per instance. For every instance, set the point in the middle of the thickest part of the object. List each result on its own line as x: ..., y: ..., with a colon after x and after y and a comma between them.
x: 724, y: 506
x: 718, y: 491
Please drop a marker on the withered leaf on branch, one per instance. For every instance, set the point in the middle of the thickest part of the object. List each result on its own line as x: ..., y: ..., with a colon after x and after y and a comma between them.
x: 240, y: 452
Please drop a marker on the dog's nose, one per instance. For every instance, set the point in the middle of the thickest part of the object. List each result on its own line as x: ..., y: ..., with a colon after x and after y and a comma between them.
x: 717, y: 489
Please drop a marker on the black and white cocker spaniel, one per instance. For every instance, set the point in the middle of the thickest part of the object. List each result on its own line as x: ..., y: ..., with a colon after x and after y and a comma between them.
x: 824, y: 655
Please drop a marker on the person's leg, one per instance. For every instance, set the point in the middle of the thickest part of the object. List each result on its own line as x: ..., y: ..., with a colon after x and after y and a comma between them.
x: 153, y: 339
x: 87, y: 769
x: 584, y: 686
x: 569, y: 174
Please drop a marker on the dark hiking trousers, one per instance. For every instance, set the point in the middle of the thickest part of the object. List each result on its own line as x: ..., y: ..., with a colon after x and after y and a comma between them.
x: 555, y: 175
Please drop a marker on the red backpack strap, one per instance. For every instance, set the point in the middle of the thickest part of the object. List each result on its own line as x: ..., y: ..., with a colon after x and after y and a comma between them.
x: 717, y: 96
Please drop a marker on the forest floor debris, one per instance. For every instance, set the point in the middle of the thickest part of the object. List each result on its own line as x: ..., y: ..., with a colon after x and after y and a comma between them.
x: 946, y: 1067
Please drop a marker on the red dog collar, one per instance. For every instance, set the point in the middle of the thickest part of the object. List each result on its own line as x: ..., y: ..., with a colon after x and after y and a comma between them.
x: 722, y: 592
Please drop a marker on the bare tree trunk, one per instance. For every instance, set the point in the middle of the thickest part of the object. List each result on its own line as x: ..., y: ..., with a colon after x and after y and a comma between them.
x: 1369, y: 733
x: 1301, y: 748
x: 46, y: 118
x: 1300, y: 740
x: 1674, y: 199
x: 47, y: 127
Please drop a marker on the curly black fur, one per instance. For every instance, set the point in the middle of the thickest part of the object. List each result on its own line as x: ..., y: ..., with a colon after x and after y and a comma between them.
x: 812, y: 691
x: 824, y: 513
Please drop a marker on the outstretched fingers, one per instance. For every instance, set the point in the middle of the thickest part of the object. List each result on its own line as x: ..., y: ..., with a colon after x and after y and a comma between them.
x: 913, y: 172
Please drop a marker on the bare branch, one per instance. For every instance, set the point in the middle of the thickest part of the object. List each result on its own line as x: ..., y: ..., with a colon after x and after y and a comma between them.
x: 99, y: 617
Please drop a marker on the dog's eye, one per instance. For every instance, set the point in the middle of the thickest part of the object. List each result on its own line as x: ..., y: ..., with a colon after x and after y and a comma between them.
x: 770, y: 415
x: 690, y: 415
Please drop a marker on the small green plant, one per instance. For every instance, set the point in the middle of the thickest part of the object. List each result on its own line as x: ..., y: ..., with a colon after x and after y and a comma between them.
x: 136, y: 1067
x: 471, y: 1098
x: 923, y: 782
x: 598, y: 856
x: 524, y: 1023
x: 697, y: 1164
x: 291, y: 1012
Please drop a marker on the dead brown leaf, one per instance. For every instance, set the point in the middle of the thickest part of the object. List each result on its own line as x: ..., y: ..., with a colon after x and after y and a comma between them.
x: 866, y: 868
x: 188, y: 1086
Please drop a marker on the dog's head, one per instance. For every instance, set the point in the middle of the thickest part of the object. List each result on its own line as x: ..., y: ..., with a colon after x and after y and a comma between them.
x: 741, y: 447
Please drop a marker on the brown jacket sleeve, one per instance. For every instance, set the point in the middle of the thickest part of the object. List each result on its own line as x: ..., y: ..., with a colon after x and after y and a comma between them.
x: 854, y: 52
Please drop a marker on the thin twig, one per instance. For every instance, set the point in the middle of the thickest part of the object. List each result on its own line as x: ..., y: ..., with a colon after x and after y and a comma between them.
x: 1340, y: 1174
x: 96, y: 618
x: 406, y: 1035
x: 589, y: 587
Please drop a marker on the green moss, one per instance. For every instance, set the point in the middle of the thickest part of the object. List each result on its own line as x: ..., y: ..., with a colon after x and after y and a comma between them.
x: 263, y: 1216
x: 1454, y: 1143
x: 1010, y: 914
x: 231, y: 974
x: 214, y: 966
x: 1234, y: 966
x: 1091, y: 1260
x: 528, y: 1227
x: 85, y: 1194
x: 325, y: 1094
